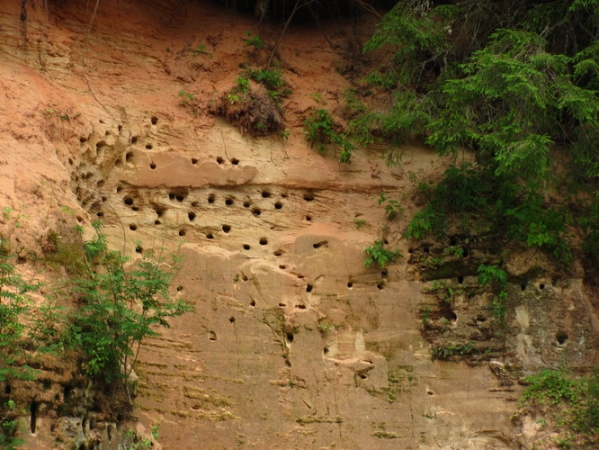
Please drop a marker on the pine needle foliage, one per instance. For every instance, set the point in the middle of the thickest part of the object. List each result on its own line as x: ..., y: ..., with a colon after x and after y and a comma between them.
x: 510, y: 80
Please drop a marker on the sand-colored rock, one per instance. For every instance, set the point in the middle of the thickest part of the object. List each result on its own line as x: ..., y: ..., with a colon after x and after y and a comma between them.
x: 292, y: 342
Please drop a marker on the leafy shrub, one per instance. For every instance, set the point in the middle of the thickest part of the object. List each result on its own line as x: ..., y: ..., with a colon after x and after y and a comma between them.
x: 494, y: 276
x: 321, y: 130
x: 378, y: 254
x: 392, y: 207
x: 422, y: 223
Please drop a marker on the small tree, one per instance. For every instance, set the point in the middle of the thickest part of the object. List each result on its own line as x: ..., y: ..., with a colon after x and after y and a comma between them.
x: 121, y: 305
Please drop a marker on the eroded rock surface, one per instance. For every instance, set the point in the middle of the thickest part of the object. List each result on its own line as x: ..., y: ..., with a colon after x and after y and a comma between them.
x: 292, y: 342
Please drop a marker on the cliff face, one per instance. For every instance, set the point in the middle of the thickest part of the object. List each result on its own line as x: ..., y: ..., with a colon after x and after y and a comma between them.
x: 293, y: 342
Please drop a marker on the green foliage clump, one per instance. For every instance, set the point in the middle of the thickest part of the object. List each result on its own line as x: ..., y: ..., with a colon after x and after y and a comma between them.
x: 550, y: 386
x: 271, y: 79
x: 9, y: 426
x: 445, y: 352
x: 243, y: 84
x: 571, y: 404
x: 185, y: 97
x: 392, y: 206
x: 253, y: 40
x: 475, y: 201
x: 321, y: 129
x: 13, y: 304
x: 413, y: 30
x: 494, y: 276
x: 378, y: 254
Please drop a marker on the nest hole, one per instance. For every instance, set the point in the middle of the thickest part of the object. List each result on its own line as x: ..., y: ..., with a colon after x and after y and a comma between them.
x: 561, y: 337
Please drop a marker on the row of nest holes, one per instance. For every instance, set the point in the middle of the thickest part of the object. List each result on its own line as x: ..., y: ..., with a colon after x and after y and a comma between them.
x: 194, y: 161
x: 561, y: 337
x: 129, y: 201
x: 522, y: 286
x: 229, y: 201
